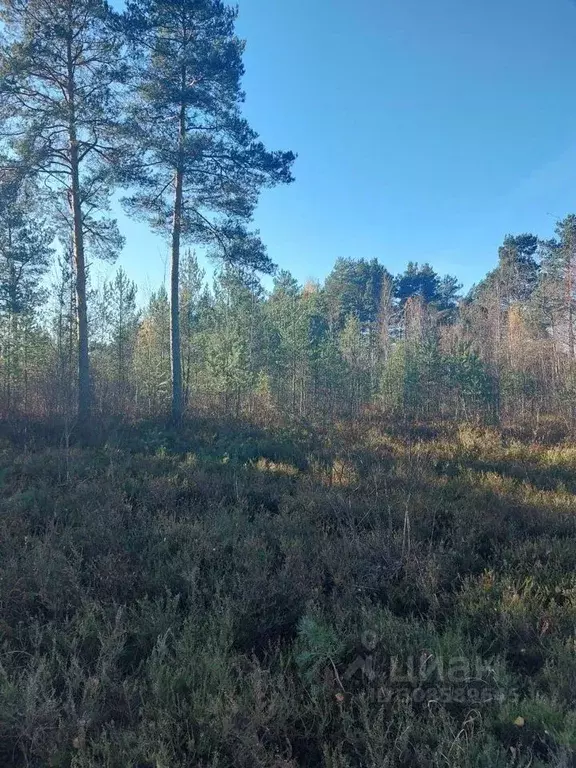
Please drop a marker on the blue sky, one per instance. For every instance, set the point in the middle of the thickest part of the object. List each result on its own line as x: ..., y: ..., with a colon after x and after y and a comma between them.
x: 425, y: 131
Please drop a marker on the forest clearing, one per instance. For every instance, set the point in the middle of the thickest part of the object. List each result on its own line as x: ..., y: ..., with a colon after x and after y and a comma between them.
x: 232, y: 595
x: 287, y: 473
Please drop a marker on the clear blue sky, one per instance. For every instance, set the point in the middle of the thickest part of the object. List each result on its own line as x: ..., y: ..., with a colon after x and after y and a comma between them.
x: 425, y: 130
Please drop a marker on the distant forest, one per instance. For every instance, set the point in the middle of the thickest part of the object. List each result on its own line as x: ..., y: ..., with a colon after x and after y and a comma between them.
x: 407, y: 344
x: 148, y: 102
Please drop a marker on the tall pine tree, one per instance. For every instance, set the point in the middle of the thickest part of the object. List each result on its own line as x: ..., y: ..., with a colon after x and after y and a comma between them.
x: 60, y: 72
x: 203, y: 165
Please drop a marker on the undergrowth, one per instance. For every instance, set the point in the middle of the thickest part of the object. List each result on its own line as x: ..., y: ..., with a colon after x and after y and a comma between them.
x: 228, y: 596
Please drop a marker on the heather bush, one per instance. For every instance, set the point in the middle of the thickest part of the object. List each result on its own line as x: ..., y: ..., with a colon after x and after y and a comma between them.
x: 225, y: 596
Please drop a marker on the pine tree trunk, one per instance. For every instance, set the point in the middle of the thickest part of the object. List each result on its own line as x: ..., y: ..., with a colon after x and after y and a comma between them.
x: 81, y: 306
x: 11, y: 334
x: 175, y: 351
x: 79, y: 255
x: 175, y: 357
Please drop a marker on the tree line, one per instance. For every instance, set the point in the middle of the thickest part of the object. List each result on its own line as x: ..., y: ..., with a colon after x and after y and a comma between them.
x: 410, y: 345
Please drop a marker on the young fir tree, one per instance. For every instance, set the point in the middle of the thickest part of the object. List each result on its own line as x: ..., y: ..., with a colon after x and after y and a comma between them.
x: 355, y: 350
x: 191, y: 309
x: 152, y: 357
x: 234, y: 354
x: 64, y: 327
x: 321, y: 382
x: 203, y: 165
x: 59, y: 82
x: 287, y: 320
x: 123, y: 325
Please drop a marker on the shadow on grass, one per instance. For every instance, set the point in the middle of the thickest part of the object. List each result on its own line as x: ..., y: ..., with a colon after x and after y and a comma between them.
x: 195, y: 597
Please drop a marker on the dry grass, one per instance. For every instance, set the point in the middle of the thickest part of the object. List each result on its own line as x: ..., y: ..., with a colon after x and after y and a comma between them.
x: 227, y: 596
